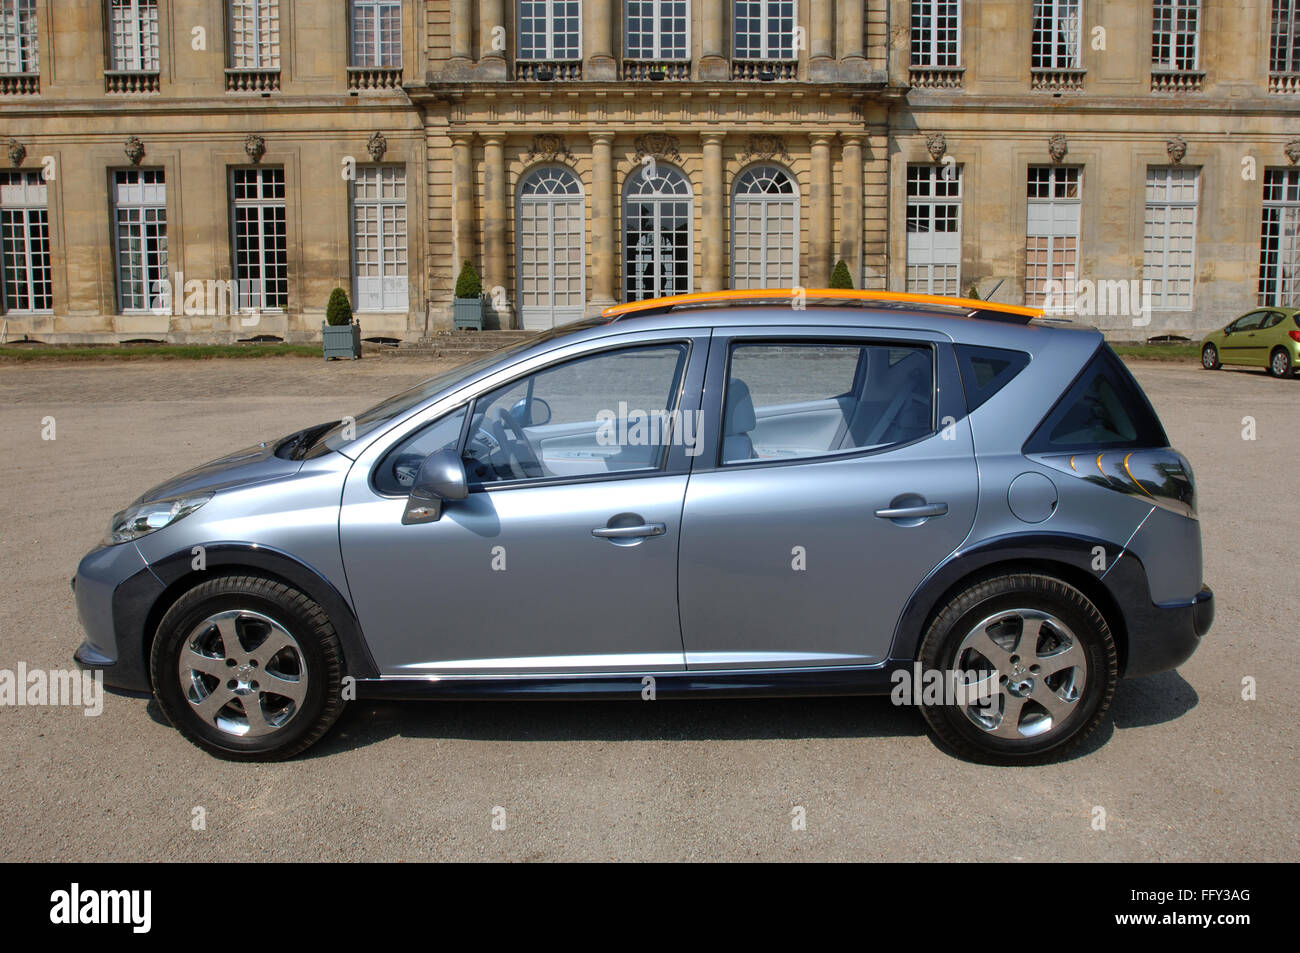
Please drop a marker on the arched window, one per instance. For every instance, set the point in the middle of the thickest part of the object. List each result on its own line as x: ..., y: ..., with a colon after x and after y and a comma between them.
x: 657, y: 245
x: 549, y: 248
x: 764, y: 229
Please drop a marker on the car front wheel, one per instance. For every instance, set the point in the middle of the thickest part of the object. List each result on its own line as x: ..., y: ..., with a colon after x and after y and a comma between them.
x: 1210, y: 358
x: 1038, y: 663
x: 248, y: 668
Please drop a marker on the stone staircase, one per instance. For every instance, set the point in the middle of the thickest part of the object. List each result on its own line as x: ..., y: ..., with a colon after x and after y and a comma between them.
x: 462, y: 346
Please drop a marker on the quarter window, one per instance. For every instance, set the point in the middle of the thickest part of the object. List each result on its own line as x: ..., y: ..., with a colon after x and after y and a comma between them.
x: 1103, y: 410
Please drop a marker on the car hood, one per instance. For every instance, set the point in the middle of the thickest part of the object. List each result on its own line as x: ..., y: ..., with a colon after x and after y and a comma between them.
x: 255, y: 464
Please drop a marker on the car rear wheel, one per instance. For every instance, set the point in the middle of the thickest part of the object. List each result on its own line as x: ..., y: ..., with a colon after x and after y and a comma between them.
x: 248, y: 668
x: 1210, y: 358
x: 1039, y: 662
x: 1279, y: 363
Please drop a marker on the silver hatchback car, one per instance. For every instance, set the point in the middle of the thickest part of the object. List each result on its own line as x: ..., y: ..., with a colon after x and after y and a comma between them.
x: 731, y: 494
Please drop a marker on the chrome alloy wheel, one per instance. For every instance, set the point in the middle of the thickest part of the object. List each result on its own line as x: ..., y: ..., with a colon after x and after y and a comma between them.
x: 243, y: 673
x: 1040, y: 671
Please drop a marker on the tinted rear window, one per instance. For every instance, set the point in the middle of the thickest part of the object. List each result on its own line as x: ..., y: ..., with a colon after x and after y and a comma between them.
x: 986, y: 370
x: 1104, y: 409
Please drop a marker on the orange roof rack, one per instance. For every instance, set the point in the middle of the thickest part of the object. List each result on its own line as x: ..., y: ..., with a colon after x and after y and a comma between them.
x: 705, y: 298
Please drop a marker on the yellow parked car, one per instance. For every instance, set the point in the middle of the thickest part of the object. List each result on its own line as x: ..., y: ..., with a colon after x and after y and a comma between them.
x: 1266, y: 337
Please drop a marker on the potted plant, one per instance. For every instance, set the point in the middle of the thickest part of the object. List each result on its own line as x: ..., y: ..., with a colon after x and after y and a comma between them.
x: 340, y: 335
x: 467, y: 309
x: 840, y: 277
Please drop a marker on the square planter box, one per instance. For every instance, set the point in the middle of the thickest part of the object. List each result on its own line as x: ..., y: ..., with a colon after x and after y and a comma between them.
x: 467, y: 313
x: 341, y: 340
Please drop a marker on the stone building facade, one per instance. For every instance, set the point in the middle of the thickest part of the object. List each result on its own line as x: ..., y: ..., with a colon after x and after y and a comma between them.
x: 203, y: 171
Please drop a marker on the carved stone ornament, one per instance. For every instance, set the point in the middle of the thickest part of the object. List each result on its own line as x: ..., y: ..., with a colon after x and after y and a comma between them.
x: 377, y: 145
x: 1057, y: 147
x: 18, y: 152
x: 255, y: 146
x: 938, y: 146
x: 658, y: 144
x: 1292, y: 150
x: 134, y: 149
x: 549, y: 147
x: 1177, y: 148
x: 765, y: 146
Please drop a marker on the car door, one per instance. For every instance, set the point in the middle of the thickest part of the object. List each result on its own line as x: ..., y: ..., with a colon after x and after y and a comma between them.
x: 563, y: 556
x: 1241, y: 344
x: 841, y: 474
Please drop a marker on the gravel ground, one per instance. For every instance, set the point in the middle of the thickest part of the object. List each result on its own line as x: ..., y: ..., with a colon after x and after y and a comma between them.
x: 1186, y: 770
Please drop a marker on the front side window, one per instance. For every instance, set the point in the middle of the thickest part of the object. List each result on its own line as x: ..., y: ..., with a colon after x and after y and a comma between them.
x: 1176, y: 35
x: 936, y: 33
x: 19, y: 48
x: 1057, y: 27
x: 140, y: 222
x: 1052, y: 236
x: 261, y: 251
x: 765, y: 30
x: 765, y: 229
x: 376, y: 33
x: 657, y: 29
x: 610, y: 412
x: 1279, y: 241
x: 934, y: 229
x: 1284, y: 39
x: 254, y: 34
x: 25, y: 242
x: 1169, y: 237
x: 809, y: 399
x: 550, y: 30
x: 133, y: 32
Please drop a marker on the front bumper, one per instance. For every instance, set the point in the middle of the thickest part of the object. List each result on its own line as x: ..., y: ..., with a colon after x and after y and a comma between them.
x: 114, y: 588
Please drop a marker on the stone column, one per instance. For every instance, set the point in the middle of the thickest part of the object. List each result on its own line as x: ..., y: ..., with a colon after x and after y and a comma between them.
x: 598, y: 19
x: 820, y: 199
x: 462, y: 200
x: 603, y: 235
x: 850, y: 205
x: 496, y: 221
x: 491, y: 24
x: 713, y: 209
x: 462, y: 28
x: 821, y: 40
x: 713, y: 40
x: 853, y: 60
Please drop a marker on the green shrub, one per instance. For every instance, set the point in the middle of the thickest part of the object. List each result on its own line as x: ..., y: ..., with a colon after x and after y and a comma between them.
x: 973, y: 293
x: 468, y: 283
x: 339, y: 309
x: 840, y: 277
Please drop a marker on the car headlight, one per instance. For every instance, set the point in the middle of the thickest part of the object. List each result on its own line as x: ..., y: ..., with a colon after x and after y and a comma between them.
x: 145, y: 518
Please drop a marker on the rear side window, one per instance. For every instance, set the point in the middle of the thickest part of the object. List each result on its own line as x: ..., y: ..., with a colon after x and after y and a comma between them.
x: 986, y: 370
x: 1104, y: 409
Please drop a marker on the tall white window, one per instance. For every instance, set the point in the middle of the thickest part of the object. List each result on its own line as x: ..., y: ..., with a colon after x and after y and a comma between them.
x: 765, y: 229
x: 1176, y: 35
x: 657, y: 245
x: 140, y: 242
x: 376, y: 33
x: 1052, y: 236
x: 1057, y: 27
x: 261, y: 252
x: 25, y: 242
x: 549, y: 268
x: 1279, y: 244
x: 936, y: 33
x: 657, y: 29
x: 1169, y: 237
x: 379, y: 238
x: 1284, y: 45
x: 19, y: 49
x: 133, y: 34
x: 765, y: 30
x: 934, y: 229
x: 550, y: 30
x: 254, y: 34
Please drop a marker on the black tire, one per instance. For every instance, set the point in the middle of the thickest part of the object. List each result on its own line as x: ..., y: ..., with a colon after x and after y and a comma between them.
x: 316, y: 656
x: 1039, y: 593
x: 1210, y: 358
x: 1279, y: 362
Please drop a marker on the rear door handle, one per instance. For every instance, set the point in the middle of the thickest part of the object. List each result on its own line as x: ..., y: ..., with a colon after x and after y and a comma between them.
x: 913, y: 512
x: 629, y: 532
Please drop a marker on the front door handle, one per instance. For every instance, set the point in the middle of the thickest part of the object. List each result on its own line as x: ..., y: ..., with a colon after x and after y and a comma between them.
x: 913, y: 512
x: 629, y: 532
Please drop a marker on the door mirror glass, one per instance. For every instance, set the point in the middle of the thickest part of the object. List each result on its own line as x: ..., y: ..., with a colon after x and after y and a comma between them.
x: 531, y: 412
x: 441, y: 478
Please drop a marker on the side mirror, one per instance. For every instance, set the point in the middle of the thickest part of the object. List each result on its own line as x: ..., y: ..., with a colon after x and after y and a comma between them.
x: 531, y: 413
x: 441, y: 478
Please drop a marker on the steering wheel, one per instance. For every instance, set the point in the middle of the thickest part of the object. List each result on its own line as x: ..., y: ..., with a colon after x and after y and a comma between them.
x: 522, y: 460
